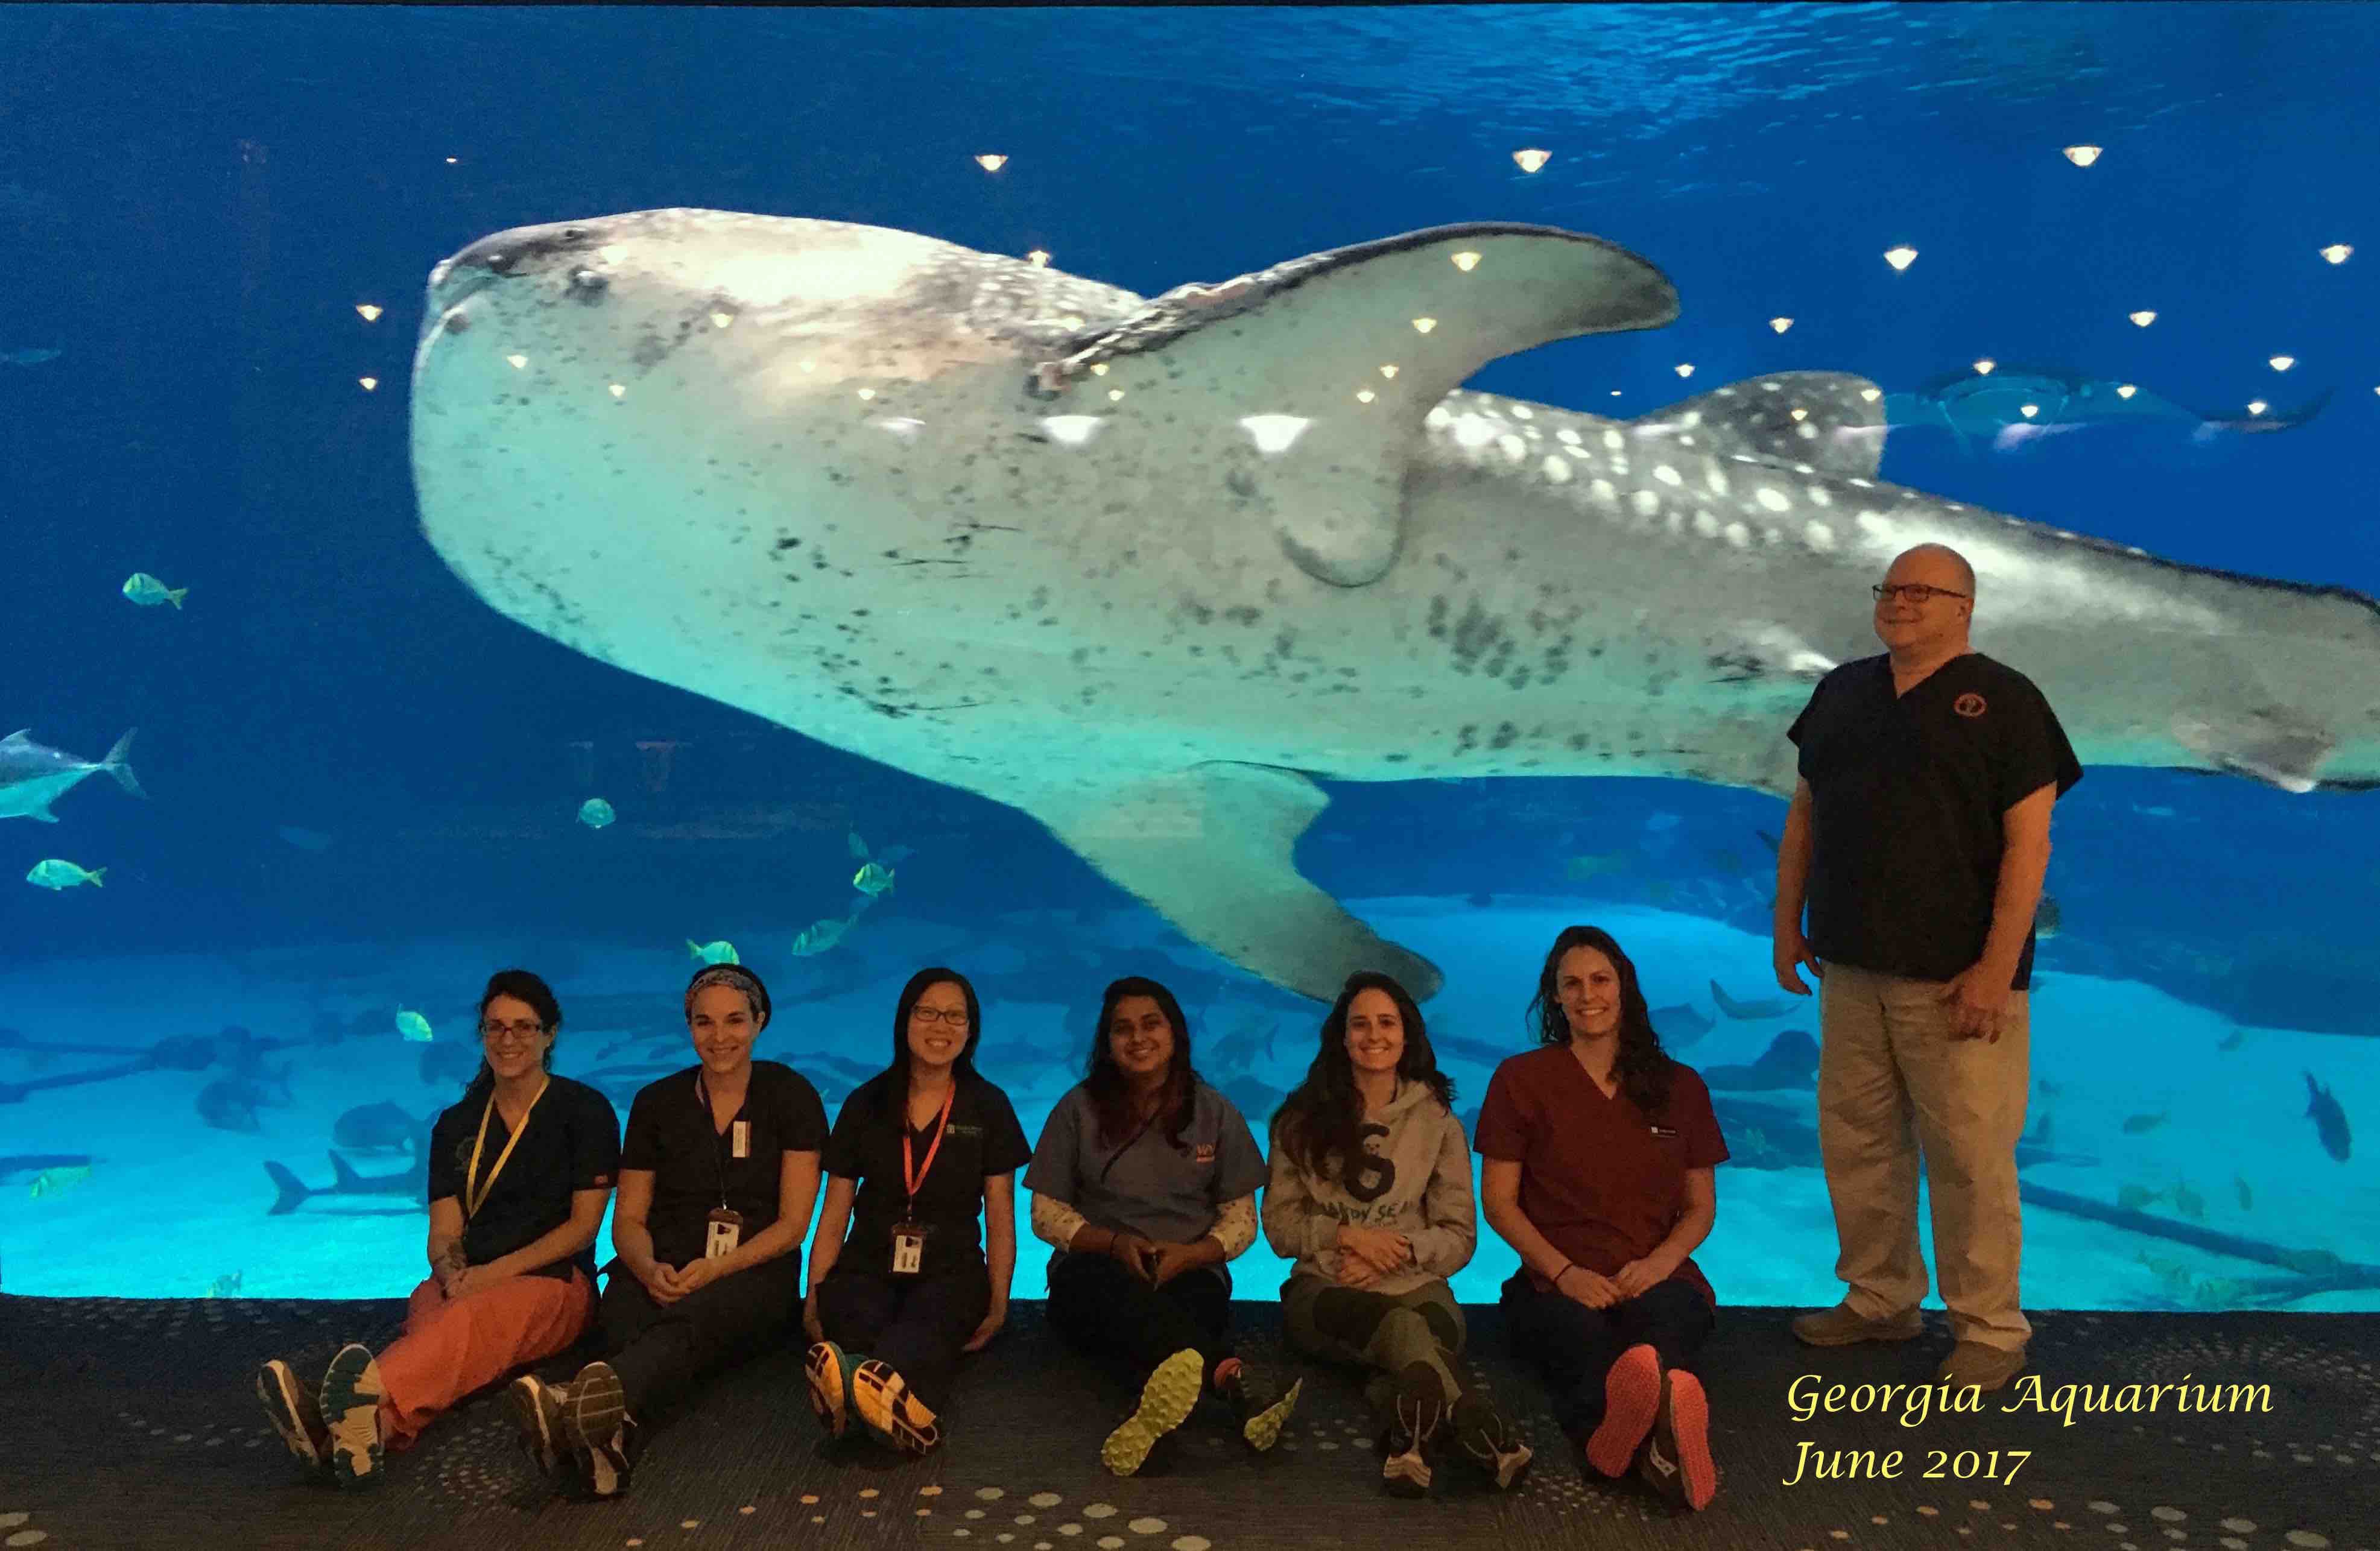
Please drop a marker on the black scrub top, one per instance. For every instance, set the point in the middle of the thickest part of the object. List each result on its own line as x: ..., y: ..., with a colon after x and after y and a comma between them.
x: 693, y: 1166
x: 1907, y: 792
x: 984, y: 1139
x: 572, y: 1142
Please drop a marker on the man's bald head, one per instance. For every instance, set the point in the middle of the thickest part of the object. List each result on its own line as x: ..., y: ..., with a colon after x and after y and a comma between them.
x: 1936, y: 566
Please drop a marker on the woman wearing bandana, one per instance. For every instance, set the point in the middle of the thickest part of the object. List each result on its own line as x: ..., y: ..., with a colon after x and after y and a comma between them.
x: 718, y: 1177
x: 519, y: 1172
x: 922, y: 1167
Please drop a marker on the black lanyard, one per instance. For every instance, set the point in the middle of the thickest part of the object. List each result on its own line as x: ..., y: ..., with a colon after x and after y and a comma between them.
x: 710, y: 1128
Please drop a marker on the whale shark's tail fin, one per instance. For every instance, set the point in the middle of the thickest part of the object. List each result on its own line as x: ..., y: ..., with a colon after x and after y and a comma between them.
x: 1210, y: 850
x: 294, y: 1191
x: 2259, y: 424
x: 119, y: 763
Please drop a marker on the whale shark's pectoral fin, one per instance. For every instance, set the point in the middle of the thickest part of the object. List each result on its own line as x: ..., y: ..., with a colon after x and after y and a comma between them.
x: 2266, y: 749
x: 1830, y: 420
x: 1210, y: 850
x: 1302, y: 388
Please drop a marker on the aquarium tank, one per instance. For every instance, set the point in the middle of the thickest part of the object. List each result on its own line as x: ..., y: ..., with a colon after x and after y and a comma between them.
x: 1230, y: 495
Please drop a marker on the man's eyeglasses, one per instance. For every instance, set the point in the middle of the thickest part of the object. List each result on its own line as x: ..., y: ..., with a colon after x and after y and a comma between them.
x: 1917, y: 593
x: 954, y: 1016
x: 519, y: 1032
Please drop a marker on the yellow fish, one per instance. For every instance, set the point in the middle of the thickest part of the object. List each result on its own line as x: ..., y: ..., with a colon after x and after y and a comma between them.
x: 872, y: 880
x: 414, y: 1026
x: 51, y: 1181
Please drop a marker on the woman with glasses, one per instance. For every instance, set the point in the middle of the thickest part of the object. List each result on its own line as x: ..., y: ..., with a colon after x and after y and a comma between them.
x: 1371, y: 1198
x: 519, y: 1172
x: 921, y: 1166
x: 1597, y: 1151
x: 1145, y: 1183
x: 718, y: 1175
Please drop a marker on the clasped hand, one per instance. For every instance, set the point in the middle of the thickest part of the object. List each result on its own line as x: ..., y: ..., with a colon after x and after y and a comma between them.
x: 1150, y: 1261
x: 1365, y: 1254
x: 668, y: 1284
x: 1976, y: 996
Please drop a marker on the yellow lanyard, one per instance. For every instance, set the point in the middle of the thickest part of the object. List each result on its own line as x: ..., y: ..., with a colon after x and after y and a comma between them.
x: 474, y: 1200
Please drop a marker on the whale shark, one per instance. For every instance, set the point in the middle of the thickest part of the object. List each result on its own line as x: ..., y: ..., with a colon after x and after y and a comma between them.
x: 1146, y: 569
x: 2010, y: 406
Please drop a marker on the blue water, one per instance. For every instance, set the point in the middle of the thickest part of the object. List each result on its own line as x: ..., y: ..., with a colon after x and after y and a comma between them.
x: 363, y: 780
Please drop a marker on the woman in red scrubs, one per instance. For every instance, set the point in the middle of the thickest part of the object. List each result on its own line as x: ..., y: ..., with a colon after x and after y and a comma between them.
x: 1596, y: 1152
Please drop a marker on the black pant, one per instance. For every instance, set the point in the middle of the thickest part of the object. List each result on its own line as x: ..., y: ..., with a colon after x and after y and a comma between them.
x: 1573, y: 1347
x: 914, y: 1324
x: 660, y: 1349
x: 1114, y: 1316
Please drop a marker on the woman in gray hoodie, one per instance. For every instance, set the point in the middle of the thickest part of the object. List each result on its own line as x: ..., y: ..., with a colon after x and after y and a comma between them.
x: 1371, y: 1198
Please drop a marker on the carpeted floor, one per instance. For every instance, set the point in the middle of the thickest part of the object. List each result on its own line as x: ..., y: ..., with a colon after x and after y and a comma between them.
x: 130, y: 1424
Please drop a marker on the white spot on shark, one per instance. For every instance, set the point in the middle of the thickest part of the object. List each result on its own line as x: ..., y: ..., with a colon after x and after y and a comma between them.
x: 1473, y: 432
x: 1819, y: 495
x: 1557, y: 471
x: 1667, y: 475
x: 1567, y: 437
x: 1705, y: 525
x: 1717, y: 480
x: 1819, y: 537
x: 1646, y: 503
x: 1739, y: 535
x: 1513, y: 446
x: 1774, y: 499
x: 1614, y: 442
x: 1604, y: 491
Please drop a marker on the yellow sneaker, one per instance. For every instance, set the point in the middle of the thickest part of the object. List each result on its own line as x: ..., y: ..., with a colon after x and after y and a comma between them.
x: 885, y: 1402
x: 1166, y: 1401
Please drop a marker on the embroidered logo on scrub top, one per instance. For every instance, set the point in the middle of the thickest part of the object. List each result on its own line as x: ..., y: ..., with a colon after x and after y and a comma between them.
x: 1203, y: 1153
x: 1969, y: 704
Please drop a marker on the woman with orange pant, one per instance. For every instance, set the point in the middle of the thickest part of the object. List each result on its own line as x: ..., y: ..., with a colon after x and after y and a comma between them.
x: 519, y: 1173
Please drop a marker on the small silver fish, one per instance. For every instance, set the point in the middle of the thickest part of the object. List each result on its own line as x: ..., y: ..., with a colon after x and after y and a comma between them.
x: 595, y: 813
x: 54, y: 875
x: 147, y: 591
x: 720, y: 953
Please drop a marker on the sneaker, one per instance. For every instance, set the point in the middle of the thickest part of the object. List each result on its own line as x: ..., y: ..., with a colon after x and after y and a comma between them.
x: 1676, y: 1459
x: 1261, y: 1416
x: 538, y: 1410
x: 1488, y: 1440
x: 1420, y: 1405
x: 885, y: 1402
x: 350, y: 1406
x: 1841, y: 1325
x: 594, y: 1405
x: 830, y: 1380
x: 608, y: 1467
x: 1971, y: 1364
x: 294, y: 1414
x: 1631, y: 1397
x: 1166, y: 1401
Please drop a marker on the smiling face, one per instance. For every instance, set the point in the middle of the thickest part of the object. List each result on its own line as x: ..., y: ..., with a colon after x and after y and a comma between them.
x: 938, y: 1026
x: 722, y: 1026
x: 1588, y: 987
x: 513, y: 1037
x: 1140, y: 1037
x: 1939, y: 622
x: 1376, y: 1031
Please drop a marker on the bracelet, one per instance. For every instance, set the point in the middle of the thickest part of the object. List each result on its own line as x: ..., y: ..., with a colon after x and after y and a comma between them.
x: 1568, y: 1267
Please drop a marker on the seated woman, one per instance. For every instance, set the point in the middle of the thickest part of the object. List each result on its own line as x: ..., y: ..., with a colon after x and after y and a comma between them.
x: 718, y: 1175
x: 519, y: 1172
x: 1596, y: 1154
x: 921, y: 1155
x: 1145, y: 1182
x: 1371, y: 1198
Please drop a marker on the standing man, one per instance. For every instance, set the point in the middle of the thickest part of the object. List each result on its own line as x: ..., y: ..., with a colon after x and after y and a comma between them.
x: 1918, y: 838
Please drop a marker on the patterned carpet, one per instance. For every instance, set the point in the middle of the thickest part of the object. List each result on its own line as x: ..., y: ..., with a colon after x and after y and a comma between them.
x: 132, y: 1423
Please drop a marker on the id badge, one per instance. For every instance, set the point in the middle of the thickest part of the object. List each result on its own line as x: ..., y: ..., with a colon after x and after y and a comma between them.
x: 723, y: 1231
x: 740, y: 1142
x: 908, y: 1248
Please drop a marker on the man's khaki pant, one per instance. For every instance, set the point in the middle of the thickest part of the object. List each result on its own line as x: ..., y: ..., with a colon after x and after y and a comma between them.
x: 1893, y: 1080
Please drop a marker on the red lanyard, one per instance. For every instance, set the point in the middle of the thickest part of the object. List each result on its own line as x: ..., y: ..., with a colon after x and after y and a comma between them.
x: 911, y: 1176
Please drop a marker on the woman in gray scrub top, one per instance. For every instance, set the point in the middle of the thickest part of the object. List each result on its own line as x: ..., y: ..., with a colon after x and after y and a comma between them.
x: 1144, y: 1184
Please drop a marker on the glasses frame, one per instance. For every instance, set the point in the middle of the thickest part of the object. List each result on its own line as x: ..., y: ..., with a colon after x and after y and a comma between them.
x: 490, y: 1034
x: 955, y: 1017
x: 1929, y: 593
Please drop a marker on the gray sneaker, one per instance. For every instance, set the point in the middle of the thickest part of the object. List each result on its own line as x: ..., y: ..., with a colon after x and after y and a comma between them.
x: 1841, y: 1326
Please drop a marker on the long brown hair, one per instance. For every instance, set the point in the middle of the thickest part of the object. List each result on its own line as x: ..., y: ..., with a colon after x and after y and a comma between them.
x: 1322, y: 1118
x: 1643, y: 1068
x: 1103, y: 1080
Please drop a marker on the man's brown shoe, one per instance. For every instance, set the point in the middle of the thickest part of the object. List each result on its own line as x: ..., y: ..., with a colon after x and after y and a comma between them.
x: 1986, y: 1367
x: 1841, y: 1327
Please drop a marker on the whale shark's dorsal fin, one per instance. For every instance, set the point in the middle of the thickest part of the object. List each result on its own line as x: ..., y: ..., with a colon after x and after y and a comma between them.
x: 1256, y: 380
x: 22, y: 734
x: 1827, y: 421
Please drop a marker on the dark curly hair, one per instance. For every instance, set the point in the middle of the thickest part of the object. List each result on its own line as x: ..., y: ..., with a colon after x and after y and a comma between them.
x: 1643, y: 1068
x: 521, y: 986
x: 1322, y: 1118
